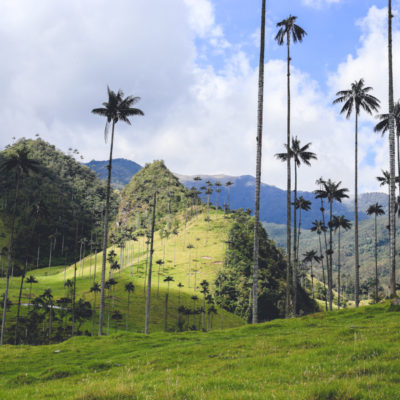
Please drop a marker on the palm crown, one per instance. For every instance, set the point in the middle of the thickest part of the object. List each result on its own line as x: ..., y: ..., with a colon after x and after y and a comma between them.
x: 300, y: 154
x: 356, y: 98
x: 287, y: 29
x: 117, y: 108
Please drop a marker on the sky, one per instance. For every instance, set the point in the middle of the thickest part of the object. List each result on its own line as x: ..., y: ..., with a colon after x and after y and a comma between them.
x: 194, y: 64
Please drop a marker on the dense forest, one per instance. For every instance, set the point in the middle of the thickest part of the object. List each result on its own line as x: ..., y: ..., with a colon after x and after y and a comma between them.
x: 59, y: 206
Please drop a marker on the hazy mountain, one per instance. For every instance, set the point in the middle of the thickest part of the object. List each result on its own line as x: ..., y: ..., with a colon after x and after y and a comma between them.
x: 241, y: 193
x: 122, y: 170
x: 273, y: 199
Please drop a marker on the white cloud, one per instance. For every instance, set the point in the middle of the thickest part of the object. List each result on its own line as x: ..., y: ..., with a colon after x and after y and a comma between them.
x: 319, y: 3
x: 59, y: 57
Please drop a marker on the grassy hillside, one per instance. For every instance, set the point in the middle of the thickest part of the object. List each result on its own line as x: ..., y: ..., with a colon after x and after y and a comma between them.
x: 186, y: 265
x: 350, y: 354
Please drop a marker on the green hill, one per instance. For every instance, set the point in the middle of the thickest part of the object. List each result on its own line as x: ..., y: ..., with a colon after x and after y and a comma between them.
x: 350, y: 354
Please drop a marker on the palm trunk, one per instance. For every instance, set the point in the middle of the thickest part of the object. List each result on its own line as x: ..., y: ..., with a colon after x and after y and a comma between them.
x: 392, y: 189
x: 294, y: 276
x: 312, y: 281
x: 127, y: 312
x: 146, y: 330
x: 338, y: 301
x: 10, y: 250
x: 19, y: 307
x: 376, y: 261
x: 323, y: 270
x: 105, y: 237
x: 356, y: 250
x: 166, y: 313
x: 330, y: 257
x: 288, y: 206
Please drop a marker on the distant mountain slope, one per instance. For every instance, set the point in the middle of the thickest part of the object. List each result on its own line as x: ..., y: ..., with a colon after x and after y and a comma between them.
x: 241, y: 193
x: 122, y: 170
x: 273, y: 199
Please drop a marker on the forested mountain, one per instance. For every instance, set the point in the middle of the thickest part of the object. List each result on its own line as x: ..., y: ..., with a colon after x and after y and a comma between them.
x: 309, y: 241
x: 57, y: 207
x: 172, y: 196
x: 122, y: 170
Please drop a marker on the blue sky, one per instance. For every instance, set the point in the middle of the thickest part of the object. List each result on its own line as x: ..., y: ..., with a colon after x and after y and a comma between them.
x: 194, y: 63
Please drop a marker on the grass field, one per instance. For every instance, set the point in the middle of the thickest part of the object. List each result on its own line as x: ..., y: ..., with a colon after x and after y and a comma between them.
x: 347, y: 354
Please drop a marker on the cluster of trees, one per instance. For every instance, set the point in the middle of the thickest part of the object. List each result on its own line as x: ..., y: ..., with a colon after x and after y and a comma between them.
x: 353, y: 100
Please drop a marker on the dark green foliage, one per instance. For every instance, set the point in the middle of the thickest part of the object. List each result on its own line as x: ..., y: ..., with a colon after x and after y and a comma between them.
x: 66, y: 190
x: 135, y: 208
x: 234, y: 281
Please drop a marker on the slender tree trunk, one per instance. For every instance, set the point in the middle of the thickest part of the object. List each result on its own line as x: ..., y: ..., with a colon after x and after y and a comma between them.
x: 258, y: 166
x: 146, y: 330
x: 105, y: 237
x: 294, y: 277
x: 392, y: 190
x: 330, y: 297
x: 376, y: 262
x: 10, y: 250
x: 127, y: 312
x: 19, y: 307
x: 338, y: 301
x: 312, y: 281
x: 166, y: 313
x: 323, y: 271
x: 356, y: 250
x: 288, y: 207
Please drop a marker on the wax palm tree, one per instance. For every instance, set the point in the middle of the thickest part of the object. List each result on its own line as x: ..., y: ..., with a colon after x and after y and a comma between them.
x: 130, y: 288
x: 392, y: 219
x: 300, y: 155
x: 383, y: 126
x: 205, y: 291
x: 94, y: 289
x: 302, y: 205
x: 69, y: 284
x: 31, y: 280
x: 355, y: 99
x: 376, y: 209
x: 21, y: 164
x: 289, y: 31
x: 309, y: 257
x: 331, y: 192
x: 319, y: 227
x: 260, y: 109
x: 168, y: 279
x: 338, y: 223
x: 228, y: 186
x: 180, y: 286
x: 117, y: 108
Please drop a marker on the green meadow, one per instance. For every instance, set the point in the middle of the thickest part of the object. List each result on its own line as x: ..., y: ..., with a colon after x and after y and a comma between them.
x: 347, y: 354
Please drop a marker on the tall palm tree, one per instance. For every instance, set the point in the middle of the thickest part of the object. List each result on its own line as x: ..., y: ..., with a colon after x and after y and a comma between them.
x: 383, y: 126
x: 392, y: 190
x: 376, y: 209
x: 19, y: 162
x: 385, y: 180
x: 228, y: 186
x: 319, y: 227
x: 117, y: 108
x: 260, y: 110
x: 31, y: 280
x: 289, y: 30
x: 130, y: 288
x: 331, y: 192
x: 168, y: 279
x: 299, y: 154
x: 94, y: 289
x: 338, y: 223
x: 356, y: 98
x: 302, y: 205
x: 309, y: 257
